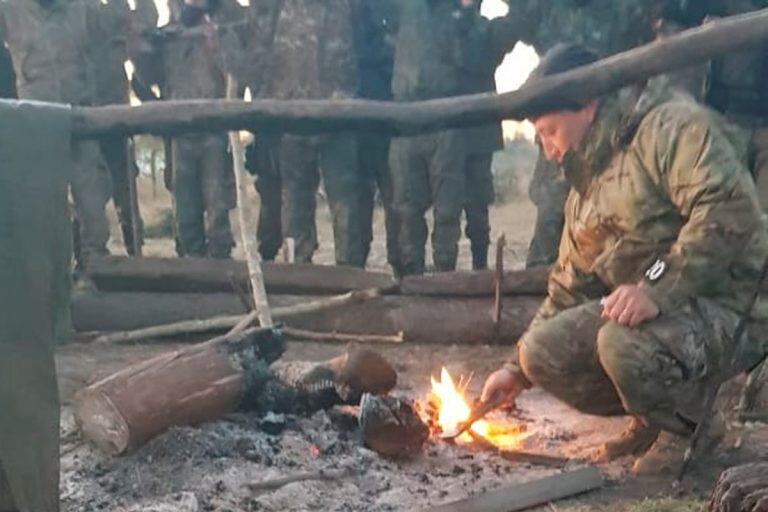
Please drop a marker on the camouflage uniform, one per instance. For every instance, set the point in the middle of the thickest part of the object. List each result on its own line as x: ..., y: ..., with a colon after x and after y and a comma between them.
x: 484, y: 45
x: 739, y: 88
x: 108, y: 40
x: 203, y: 181
x: 49, y: 47
x: 660, y: 196
x: 605, y: 27
x: 7, y: 76
x: 376, y: 27
x: 428, y: 170
x: 313, y: 58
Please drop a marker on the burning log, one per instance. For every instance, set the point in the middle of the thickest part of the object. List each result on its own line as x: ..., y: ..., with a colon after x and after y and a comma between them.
x: 741, y: 489
x: 391, y: 427
x: 182, y: 387
x: 197, y: 275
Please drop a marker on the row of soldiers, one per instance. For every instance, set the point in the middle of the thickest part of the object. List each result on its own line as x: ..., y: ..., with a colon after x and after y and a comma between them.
x: 72, y: 51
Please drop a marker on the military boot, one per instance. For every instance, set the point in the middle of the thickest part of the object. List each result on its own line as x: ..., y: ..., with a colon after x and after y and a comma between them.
x: 635, y: 440
x: 666, y: 455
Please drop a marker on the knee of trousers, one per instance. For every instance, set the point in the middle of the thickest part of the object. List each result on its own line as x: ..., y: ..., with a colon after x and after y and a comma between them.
x: 621, y: 354
x: 538, y: 352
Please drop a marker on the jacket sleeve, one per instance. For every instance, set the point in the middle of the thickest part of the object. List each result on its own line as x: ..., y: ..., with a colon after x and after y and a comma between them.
x: 687, y: 152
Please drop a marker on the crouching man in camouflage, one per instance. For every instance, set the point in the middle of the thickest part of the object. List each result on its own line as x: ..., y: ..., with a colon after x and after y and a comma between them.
x: 663, y: 248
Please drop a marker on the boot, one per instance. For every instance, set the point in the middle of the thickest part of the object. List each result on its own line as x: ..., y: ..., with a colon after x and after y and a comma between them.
x: 666, y: 455
x: 635, y: 440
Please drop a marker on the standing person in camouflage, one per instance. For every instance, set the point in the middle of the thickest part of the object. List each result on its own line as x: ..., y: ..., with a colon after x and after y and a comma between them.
x: 109, y: 35
x: 428, y: 170
x: 48, y: 41
x: 484, y: 45
x: 190, y: 67
x: 738, y: 88
x: 605, y: 27
x: 375, y: 30
x: 313, y: 57
x: 663, y: 245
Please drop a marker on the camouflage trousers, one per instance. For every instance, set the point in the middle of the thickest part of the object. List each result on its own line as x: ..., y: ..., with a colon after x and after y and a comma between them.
x: 269, y: 185
x: 428, y: 170
x: 91, y: 188
x: 480, y: 194
x: 375, y: 175
x: 548, y: 191
x: 204, y: 193
x: 662, y: 371
x: 122, y: 170
x: 302, y: 159
x: 760, y: 163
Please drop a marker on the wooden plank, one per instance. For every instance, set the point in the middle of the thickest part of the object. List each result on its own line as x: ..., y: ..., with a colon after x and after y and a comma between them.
x: 529, y: 494
x: 685, y: 49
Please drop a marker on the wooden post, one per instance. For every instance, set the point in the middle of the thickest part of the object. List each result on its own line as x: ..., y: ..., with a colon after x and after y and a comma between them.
x: 247, y: 224
x: 498, y: 282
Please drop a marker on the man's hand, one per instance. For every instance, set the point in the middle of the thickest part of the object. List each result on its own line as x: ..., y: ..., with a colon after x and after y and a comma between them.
x: 504, y: 384
x: 629, y: 305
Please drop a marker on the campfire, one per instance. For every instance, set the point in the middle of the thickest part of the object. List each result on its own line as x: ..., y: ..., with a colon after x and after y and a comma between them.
x: 447, y: 407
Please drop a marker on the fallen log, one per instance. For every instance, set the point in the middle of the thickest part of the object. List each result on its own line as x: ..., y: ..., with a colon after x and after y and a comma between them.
x: 234, y: 323
x: 106, y: 312
x: 741, y: 489
x: 462, y: 320
x: 529, y: 494
x: 428, y: 319
x: 195, y: 275
x: 182, y: 387
x: 685, y: 49
x: 481, y: 283
x: 198, y: 275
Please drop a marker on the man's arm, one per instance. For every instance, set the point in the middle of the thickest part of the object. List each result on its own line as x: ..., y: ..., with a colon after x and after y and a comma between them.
x: 688, y: 152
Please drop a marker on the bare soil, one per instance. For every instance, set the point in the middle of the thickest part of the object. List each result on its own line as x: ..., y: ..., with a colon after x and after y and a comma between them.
x: 206, y: 468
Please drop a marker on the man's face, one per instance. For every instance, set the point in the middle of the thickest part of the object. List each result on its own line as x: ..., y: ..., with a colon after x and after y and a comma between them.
x: 561, y: 131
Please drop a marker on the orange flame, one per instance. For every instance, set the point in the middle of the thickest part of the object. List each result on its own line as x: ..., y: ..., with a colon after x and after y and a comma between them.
x: 453, y: 410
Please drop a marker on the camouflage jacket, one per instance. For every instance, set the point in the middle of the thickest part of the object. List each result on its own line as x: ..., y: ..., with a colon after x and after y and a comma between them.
x: 313, y: 52
x: 660, y: 196
x: 49, y: 48
x: 738, y: 83
x: 108, y: 36
x: 184, y: 62
x: 604, y: 26
x: 427, y: 50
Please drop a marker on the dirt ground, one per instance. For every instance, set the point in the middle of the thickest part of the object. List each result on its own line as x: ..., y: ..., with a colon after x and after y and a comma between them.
x: 206, y: 468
